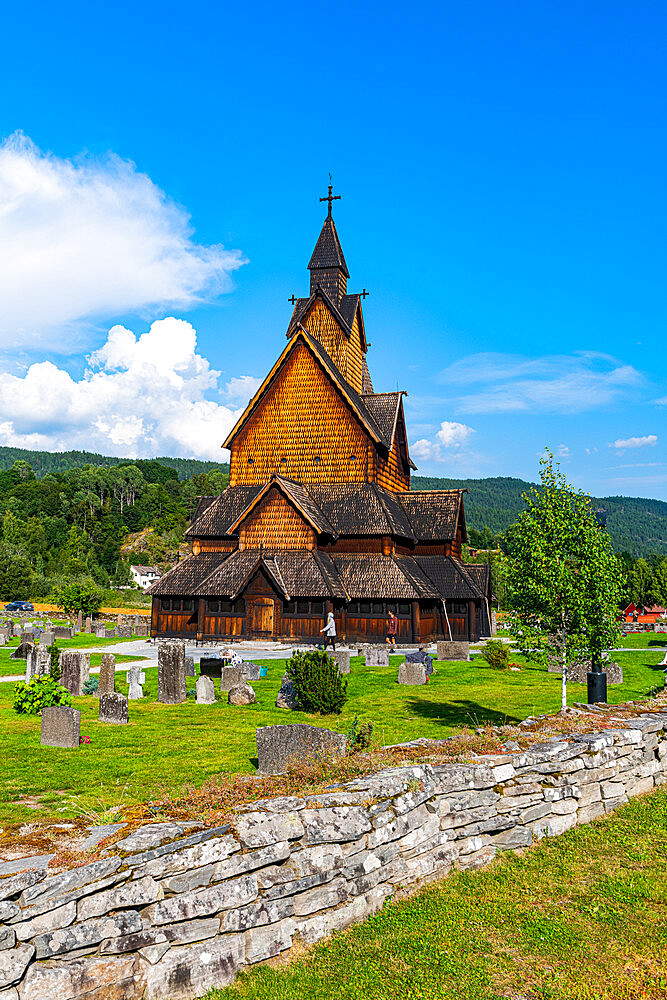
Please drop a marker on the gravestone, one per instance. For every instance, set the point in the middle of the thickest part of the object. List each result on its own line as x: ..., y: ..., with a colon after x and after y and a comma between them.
x: 61, y: 726
x: 21, y: 651
x: 29, y: 636
x: 79, y: 621
x: 100, y: 632
x: 278, y: 746
x: 113, y: 708
x: 89, y: 626
x: 421, y: 656
x: 124, y: 631
x: 210, y: 666
x: 135, y: 679
x: 119, y: 620
x: 142, y: 628
x: 453, y: 650
x: 242, y: 694
x: 46, y: 638
x: 252, y: 670
x: 62, y: 632
x: 577, y: 672
x: 231, y: 677
x: 171, y: 673
x: 412, y: 673
x: 75, y: 666
x: 205, y: 691
x: 377, y: 656
x: 660, y: 627
x: 342, y: 658
x: 3, y: 639
x: 107, y: 684
x: 38, y: 662
x: 110, y: 633
x: 136, y: 622
x: 287, y: 695
x: 189, y: 666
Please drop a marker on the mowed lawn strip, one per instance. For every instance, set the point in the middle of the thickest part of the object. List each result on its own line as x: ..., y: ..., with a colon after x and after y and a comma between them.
x: 9, y: 667
x: 166, y: 747
x: 582, y: 916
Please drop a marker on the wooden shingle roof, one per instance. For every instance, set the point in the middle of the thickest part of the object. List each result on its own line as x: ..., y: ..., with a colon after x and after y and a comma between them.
x: 433, y: 514
x: 187, y: 577
x: 328, y: 252
x: 361, y: 509
x: 448, y: 577
x: 215, y: 519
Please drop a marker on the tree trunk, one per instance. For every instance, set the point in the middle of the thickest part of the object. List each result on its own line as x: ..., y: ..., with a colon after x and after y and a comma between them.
x: 563, y: 699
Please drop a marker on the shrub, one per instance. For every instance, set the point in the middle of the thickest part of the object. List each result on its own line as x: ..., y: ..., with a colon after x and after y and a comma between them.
x: 359, y: 737
x: 73, y: 597
x: 318, y: 683
x: 497, y: 654
x: 42, y: 691
x: 55, y: 670
x: 91, y: 685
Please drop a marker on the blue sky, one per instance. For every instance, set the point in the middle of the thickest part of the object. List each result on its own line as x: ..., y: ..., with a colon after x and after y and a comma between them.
x: 501, y: 168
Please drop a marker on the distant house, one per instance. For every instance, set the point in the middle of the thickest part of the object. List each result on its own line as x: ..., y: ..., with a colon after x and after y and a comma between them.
x: 642, y: 615
x: 145, y: 576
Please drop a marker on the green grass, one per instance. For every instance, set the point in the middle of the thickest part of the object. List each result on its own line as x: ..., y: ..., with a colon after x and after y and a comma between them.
x: 168, y: 746
x: 582, y: 916
x: 9, y: 667
x: 643, y: 640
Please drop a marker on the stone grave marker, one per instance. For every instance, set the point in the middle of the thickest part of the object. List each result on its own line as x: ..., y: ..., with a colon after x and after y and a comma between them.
x: 210, y: 666
x: 3, y: 639
x: 47, y: 638
x: 61, y: 726
x: 453, y: 650
x: 113, y: 708
x: 75, y: 666
x: 577, y: 672
x: 412, y: 673
x: 421, y: 656
x: 21, y: 651
x: 142, y: 628
x: 88, y: 626
x: 189, y: 666
x: 205, y: 691
x: 377, y: 656
x: 38, y: 662
x: 171, y: 673
x: 79, y: 621
x: 119, y: 620
x: 342, y: 658
x: 124, y: 631
x: 231, y: 677
x: 287, y: 694
x: 252, y: 670
x: 277, y: 746
x: 107, y: 684
x: 242, y: 694
x: 62, y: 632
x: 110, y: 633
x: 100, y: 632
x: 135, y: 679
x: 29, y: 636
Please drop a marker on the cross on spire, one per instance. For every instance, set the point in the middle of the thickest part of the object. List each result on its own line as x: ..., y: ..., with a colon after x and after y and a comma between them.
x: 330, y: 197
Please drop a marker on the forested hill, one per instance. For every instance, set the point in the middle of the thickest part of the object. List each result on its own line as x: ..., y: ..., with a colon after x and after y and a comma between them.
x: 635, y: 525
x: 44, y: 462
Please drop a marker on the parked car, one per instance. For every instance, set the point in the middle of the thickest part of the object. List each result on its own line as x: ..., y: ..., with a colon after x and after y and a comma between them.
x: 19, y: 606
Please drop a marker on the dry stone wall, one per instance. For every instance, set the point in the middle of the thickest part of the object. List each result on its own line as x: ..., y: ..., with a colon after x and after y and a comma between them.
x: 177, y: 909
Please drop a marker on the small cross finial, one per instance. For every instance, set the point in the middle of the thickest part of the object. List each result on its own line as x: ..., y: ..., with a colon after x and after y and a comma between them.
x: 293, y: 299
x: 330, y: 197
x: 364, y: 293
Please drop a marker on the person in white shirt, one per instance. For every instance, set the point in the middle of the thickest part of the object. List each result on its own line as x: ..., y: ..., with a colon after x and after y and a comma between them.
x: 330, y: 632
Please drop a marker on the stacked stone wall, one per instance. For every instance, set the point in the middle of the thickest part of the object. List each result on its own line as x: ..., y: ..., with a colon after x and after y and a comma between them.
x: 175, y: 909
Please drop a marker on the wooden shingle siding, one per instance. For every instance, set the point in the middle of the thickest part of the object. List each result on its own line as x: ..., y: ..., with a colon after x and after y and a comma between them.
x: 275, y: 524
x: 355, y: 358
x: 300, y: 420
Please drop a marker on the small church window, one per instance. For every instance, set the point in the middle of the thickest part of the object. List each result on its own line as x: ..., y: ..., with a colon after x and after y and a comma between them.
x: 353, y: 458
x: 250, y: 461
x: 317, y: 460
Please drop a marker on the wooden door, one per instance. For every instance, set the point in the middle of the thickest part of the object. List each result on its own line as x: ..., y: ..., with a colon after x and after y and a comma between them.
x: 261, y: 617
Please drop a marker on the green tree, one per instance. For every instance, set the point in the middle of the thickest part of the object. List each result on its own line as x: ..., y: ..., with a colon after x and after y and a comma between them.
x: 15, y: 575
x: 78, y: 596
x: 640, y: 579
x: 564, y: 580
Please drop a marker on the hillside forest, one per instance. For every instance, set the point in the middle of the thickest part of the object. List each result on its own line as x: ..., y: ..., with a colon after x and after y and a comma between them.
x: 81, y: 516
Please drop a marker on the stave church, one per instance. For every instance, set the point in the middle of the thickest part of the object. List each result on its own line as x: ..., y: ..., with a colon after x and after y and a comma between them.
x: 319, y: 515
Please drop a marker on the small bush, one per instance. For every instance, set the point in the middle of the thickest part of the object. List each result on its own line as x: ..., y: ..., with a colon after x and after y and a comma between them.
x: 55, y: 670
x: 42, y: 691
x: 91, y: 685
x: 359, y: 737
x: 497, y: 654
x: 318, y: 683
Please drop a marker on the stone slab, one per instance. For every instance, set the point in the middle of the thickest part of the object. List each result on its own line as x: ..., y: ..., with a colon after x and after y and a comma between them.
x: 171, y: 673
x: 453, y: 650
x: 107, y: 680
x: 412, y: 673
x: 61, y: 727
x: 205, y: 691
x: 277, y: 746
x: 113, y: 708
x: 377, y: 656
x: 342, y: 658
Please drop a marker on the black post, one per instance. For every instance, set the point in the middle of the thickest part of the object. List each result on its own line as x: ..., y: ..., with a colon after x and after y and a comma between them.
x: 597, y: 683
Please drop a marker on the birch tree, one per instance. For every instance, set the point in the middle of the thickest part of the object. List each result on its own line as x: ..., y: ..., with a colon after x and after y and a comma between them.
x: 564, y: 581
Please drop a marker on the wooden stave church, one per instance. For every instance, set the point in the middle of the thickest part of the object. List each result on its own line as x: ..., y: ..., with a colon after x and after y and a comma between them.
x: 319, y: 515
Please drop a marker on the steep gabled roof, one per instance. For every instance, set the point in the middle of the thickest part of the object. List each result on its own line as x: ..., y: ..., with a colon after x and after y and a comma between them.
x: 214, y: 520
x: 434, y: 514
x: 270, y: 567
x: 298, y: 495
x: 294, y: 573
x: 449, y: 577
x: 328, y: 251
x: 361, y: 509
x: 188, y: 576
x: 343, y: 313
x: 351, y: 396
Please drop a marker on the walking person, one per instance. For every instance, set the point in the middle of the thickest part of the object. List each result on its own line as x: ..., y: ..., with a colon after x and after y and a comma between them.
x: 330, y: 632
x: 392, y: 628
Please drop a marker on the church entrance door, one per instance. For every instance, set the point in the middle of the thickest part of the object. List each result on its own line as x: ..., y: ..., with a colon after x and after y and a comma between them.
x: 261, y: 617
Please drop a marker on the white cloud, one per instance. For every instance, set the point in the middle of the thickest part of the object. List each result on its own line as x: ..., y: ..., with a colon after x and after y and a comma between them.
x: 443, y: 447
x: 511, y: 383
x: 635, y: 442
x: 240, y: 389
x: 562, y: 451
x: 88, y: 239
x: 139, y: 397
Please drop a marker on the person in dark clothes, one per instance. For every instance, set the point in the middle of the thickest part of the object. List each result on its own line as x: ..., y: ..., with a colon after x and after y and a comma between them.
x: 392, y: 628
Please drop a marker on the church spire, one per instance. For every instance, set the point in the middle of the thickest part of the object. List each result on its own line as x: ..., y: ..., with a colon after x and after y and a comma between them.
x: 327, y: 265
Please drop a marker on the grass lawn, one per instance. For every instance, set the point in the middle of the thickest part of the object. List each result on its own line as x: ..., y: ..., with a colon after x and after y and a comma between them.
x: 582, y: 916
x: 643, y: 640
x: 167, y: 746
x: 10, y: 667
